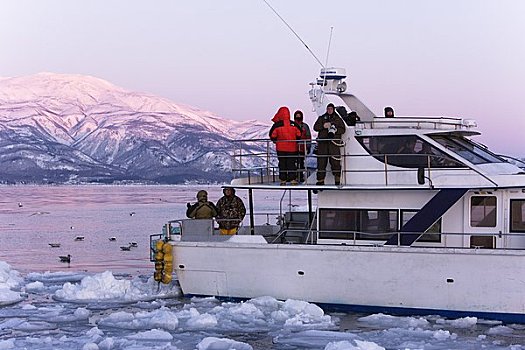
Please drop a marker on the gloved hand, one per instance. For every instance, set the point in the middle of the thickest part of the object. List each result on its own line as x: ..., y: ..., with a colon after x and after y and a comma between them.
x: 188, y: 205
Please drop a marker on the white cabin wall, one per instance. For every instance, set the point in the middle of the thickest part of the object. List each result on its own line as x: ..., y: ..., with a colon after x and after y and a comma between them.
x: 396, y: 199
x: 453, y: 221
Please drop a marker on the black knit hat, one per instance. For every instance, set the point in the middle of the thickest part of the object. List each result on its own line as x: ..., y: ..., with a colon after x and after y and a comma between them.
x: 330, y: 105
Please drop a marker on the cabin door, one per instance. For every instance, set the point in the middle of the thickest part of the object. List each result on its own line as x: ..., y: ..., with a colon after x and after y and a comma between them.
x: 483, y: 223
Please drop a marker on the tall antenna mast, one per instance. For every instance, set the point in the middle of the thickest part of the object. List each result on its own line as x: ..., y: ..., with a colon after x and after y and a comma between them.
x: 329, y: 43
x: 327, y: 54
x: 297, y: 35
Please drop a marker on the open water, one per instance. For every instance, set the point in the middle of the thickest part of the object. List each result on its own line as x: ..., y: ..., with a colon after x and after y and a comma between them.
x: 31, y: 217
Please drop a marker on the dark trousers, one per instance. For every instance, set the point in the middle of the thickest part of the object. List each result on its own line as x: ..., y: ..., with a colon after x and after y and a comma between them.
x: 300, y: 167
x: 326, y: 150
x: 287, y: 165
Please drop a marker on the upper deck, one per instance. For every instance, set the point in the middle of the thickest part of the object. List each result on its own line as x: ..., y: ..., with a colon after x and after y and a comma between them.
x: 395, y: 153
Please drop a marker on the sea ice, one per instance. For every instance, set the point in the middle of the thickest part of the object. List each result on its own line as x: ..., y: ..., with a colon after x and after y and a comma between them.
x: 9, y: 279
x: 105, y: 287
x: 212, y: 343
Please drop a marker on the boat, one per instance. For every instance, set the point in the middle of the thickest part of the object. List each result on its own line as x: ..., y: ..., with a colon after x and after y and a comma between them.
x: 424, y: 221
x: 125, y: 248
x: 54, y: 245
x: 79, y: 238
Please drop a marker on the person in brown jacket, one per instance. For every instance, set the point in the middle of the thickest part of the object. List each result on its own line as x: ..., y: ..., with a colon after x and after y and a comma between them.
x: 330, y: 127
x: 203, y: 209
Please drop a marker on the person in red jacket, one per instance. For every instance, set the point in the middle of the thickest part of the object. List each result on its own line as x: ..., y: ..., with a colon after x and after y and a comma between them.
x: 285, y: 133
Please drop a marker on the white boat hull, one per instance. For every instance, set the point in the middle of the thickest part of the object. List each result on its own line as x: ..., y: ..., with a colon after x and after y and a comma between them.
x: 479, y: 282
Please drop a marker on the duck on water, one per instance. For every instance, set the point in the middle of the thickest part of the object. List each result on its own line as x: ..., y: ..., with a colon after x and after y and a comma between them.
x: 65, y: 258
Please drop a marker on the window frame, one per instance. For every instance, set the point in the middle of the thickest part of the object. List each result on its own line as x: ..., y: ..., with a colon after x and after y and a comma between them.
x: 356, y: 232
x: 511, y: 216
x: 467, y: 149
x: 486, y: 214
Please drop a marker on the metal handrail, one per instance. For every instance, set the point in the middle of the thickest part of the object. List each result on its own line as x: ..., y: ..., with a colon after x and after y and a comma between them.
x: 271, y: 168
x: 381, y: 241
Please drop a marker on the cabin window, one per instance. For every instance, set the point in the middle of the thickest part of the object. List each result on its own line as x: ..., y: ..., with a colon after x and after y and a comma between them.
x: 483, y: 211
x: 517, y: 215
x: 349, y: 224
x: 467, y: 149
x: 407, y: 151
x: 433, y: 234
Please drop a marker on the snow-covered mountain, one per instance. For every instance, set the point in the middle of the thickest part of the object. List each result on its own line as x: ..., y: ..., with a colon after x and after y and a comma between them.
x: 74, y: 128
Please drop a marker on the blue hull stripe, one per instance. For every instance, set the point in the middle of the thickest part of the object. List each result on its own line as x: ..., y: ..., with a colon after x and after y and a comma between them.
x: 428, y: 215
x: 402, y: 311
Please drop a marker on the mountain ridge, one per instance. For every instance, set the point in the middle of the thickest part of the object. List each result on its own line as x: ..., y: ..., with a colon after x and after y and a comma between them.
x: 74, y: 128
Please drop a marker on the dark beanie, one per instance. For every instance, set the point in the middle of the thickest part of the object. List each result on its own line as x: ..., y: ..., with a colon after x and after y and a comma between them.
x: 298, y: 112
x: 330, y: 105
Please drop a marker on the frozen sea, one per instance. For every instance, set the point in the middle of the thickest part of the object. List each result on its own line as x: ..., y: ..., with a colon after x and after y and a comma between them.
x: 106, y: 299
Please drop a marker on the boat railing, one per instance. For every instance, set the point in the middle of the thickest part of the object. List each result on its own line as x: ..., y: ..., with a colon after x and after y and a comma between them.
x: 430, y: 123
x: 206, y: 229
x: 454, y: 240
x: 256, y: 162
x: 311, y: 237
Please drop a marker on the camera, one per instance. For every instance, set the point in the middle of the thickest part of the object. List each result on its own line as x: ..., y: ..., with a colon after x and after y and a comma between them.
x: 331, y: 131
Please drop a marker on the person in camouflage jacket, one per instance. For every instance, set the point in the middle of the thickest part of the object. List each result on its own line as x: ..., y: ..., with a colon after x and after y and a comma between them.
x: 230, y: 207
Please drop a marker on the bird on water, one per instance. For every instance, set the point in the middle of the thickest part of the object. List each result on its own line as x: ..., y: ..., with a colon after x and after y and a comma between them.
x: 66, y: 259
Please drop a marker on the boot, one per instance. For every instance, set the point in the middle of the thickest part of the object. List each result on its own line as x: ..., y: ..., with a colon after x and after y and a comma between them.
x: 337, y: 180
x: 320, y: 182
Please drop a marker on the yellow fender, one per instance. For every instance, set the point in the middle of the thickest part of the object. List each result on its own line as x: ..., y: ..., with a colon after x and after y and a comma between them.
x: 159, y: 256
x: 168, y: 267
x: 168, y: 258
x: 167, y: 249
x: 157, y: 276
x: 167, y: 278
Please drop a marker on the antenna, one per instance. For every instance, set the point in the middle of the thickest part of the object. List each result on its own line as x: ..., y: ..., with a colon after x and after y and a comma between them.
x: 297, y: 35
x: 329, y: 43
x: 328, y: 53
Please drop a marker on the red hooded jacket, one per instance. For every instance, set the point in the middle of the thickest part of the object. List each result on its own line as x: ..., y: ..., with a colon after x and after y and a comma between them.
x: 283, y: 130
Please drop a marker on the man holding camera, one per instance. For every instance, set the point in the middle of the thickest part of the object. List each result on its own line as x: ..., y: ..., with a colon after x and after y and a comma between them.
x: 330, y: 127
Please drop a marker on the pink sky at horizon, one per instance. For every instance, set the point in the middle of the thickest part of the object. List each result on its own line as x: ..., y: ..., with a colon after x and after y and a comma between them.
x: 238, y: 60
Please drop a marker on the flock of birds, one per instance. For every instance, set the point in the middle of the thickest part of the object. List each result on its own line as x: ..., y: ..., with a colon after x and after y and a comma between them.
x: 67, y: 258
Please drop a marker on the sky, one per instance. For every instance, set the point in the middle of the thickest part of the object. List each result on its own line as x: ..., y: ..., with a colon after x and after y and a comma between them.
x: 459, y: 58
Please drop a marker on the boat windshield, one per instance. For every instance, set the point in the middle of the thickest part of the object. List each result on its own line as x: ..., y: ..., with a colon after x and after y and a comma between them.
x: 467, y: 149
x: 407, y: 151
